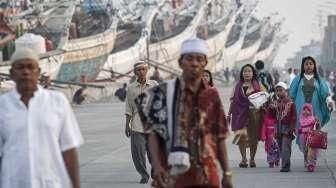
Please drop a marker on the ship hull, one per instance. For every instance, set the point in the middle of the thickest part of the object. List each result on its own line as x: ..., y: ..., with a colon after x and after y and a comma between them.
x: 84, y: 57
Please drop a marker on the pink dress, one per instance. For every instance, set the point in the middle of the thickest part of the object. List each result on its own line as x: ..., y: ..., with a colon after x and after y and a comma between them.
x: 310, y: 154
x: 268, y: 135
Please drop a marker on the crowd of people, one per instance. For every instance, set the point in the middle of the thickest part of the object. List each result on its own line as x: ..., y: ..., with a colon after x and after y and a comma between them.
x: 184, y: 123
x: 178, y: 124
x: 297, y: 105
x: 293, y: 106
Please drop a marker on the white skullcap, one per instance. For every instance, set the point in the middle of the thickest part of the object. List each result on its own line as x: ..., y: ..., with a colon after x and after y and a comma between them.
x: 139, y: 64
x: 281, y: 84
x: 24, y: 53
x: 195, y: 45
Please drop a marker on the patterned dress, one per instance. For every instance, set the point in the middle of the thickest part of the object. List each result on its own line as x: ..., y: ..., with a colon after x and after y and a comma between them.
x: 268, y: 135
x: 308, y: 123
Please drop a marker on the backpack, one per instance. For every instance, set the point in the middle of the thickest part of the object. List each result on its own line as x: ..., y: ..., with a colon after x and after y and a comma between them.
x: 266, y: 81
x: 121, y: 94
x: 78, y: 97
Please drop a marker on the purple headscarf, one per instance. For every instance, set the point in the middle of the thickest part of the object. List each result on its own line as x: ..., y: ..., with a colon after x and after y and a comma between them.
x: 240, y: 106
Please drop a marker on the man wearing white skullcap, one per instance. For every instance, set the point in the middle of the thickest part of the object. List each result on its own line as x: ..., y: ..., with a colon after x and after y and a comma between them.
x: 187, y: 125
x: 282, y: 84
x: 38, y: 131
x: 133, y: 127
x: 194, y: 46
x: 24, y: 53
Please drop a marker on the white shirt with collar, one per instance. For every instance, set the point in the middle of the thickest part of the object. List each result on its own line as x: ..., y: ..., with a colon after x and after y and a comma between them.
x: 133, y: 91
x: 32, y: 140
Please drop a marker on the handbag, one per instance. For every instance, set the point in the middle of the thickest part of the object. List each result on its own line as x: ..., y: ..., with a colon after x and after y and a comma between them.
x: 317, y: 139
x: 240, y: 137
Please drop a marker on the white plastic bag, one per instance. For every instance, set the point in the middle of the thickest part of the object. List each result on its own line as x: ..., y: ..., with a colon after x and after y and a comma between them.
x: 258, y: 99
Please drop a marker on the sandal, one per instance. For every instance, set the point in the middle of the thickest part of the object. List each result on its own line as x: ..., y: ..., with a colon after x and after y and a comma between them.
x: 252, y: 164
x: 311, y: 168
x: 243, y: 164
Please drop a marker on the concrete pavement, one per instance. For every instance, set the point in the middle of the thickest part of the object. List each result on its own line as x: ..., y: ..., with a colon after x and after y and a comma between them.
x: 105, y: 158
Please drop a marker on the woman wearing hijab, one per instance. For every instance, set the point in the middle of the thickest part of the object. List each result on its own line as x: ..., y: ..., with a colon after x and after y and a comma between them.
x: 309, y: 87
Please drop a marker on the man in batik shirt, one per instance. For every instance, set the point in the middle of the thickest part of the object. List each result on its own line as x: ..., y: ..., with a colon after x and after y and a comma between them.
x: 187, y: 124
x: 284, y: 112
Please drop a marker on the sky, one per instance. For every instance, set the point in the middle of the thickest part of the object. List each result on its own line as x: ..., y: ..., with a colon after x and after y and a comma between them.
x: 301, y: 19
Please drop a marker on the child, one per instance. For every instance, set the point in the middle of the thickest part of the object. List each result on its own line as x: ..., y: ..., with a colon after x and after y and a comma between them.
x: 284, y: 112
x: 307, y: 123
x: 268, y: 136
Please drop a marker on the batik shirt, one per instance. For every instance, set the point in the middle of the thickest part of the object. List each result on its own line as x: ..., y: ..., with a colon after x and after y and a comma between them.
x: 284, y: 112
x: 202, y: 117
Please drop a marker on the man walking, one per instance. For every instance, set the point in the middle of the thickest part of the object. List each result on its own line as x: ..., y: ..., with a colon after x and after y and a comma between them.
x: 39, y: 134
x: 187, y: 126
x: 290, y: 76
x: 264, y: 77
x: 134, y: 128
x: 227, y: 74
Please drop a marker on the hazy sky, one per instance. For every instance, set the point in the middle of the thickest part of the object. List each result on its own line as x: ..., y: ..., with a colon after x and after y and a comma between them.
x: 301, y: 21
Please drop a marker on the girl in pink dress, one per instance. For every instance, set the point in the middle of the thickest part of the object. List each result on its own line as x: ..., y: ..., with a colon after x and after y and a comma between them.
x: 307, y: 123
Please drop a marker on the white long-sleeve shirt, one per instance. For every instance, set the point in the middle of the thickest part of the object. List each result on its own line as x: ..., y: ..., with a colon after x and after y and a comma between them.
x: 32, y: 140
x: 290, y: 78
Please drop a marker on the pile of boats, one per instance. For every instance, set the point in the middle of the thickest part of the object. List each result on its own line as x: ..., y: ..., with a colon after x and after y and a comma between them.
x: 101, y: 40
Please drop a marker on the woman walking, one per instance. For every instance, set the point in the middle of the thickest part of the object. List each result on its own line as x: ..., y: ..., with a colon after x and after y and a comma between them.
x: 246, y: 120
x: 309, y: 87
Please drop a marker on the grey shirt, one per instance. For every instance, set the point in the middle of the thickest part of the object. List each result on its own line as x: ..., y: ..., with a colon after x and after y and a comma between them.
x: 133, y: 91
